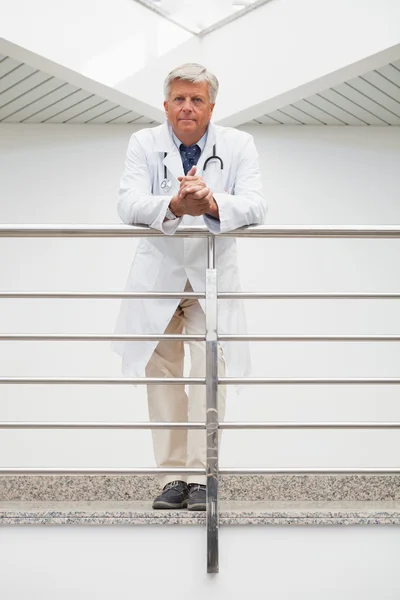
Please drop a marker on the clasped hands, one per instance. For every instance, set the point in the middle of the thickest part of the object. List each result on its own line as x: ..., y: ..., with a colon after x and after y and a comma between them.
x: 194, y: 197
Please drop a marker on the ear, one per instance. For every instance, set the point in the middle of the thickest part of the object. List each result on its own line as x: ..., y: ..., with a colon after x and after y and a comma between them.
x: 166, y: 107
x: 211, y: 109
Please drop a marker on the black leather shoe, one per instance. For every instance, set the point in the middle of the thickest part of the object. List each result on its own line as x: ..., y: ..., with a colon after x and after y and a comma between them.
x: 197, y: 496
x: 173, y: 495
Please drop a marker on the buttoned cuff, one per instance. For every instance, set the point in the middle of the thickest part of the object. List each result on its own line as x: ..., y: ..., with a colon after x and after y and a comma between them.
x: 170, y: 226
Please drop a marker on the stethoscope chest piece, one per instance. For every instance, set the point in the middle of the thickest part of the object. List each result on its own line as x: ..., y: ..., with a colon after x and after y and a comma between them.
x: 166, y: 185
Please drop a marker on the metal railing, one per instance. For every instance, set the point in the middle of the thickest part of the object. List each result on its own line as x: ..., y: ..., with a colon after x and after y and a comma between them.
x: 211, y: 338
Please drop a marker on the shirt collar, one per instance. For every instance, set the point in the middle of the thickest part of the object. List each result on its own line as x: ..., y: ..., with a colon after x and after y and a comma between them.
x: 201, y: 143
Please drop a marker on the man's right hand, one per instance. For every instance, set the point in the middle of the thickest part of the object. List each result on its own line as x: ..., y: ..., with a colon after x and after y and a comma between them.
x: 194, y: 197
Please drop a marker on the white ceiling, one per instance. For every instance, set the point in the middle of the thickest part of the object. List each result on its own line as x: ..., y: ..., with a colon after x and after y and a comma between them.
x: 28, y: 95
x: 213, y: 13
x: 31, y: 96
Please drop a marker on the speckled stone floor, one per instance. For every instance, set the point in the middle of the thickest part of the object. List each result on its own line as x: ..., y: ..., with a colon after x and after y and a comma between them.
x: 244, y: 500
x: 308, y: 488
x: 231, y: 513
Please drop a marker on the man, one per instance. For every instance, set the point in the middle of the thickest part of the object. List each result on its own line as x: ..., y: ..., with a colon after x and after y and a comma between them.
x: 190, y: 172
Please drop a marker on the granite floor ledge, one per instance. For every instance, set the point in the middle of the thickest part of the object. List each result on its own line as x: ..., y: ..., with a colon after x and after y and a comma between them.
x: 231, y: 513
x: 232, y: 487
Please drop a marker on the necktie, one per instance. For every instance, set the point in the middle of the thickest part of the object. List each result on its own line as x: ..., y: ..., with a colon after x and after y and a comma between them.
x: 190, y: 155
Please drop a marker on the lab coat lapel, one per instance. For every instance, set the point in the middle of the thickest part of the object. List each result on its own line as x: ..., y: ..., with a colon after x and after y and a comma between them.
x: 208, y: 148
x: 165, y: 143
x: 173, y: 162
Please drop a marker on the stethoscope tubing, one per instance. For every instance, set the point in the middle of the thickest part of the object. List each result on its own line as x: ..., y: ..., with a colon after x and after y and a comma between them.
x: 213, y: 157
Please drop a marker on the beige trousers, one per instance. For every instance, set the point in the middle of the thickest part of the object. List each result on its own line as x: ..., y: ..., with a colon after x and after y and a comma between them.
x: 181, y: 447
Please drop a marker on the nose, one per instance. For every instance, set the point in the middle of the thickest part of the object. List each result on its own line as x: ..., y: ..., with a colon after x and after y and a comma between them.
x: 187, y: 106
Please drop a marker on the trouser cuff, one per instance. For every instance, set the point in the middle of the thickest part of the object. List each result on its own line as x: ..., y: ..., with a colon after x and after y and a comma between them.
x: 202, y: 479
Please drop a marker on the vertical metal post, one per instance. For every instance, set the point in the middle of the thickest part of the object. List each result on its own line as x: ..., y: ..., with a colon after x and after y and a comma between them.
x: 212, y: 408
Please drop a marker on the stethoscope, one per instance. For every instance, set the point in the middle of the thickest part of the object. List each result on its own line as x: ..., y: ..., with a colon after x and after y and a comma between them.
x: 166, y: 183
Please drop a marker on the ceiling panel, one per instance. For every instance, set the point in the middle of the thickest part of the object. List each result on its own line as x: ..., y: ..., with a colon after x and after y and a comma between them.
x: 128, y: 117
x: 311, y: 109
x: 16, y: 75
x: 380, y: 97
x: 38, y: 104
x: 371, y: 99
x: 351, y: 108
x: 142, y: 120
x: 79, y: 109
x: 31, y: 96
x: 381, y: 83
x: 67, y: 97
x: 301, y: 116
x: 392, y: 73
x: 331, y: 108
x: 266, y: 120
x: 13, y: 93
x: 380, y: 114
x: 102, y: 108
x: 32, y: 101
x: 7, y: 65
x: 28, y: 95
x: 113, y: 114
x: 283, y: 118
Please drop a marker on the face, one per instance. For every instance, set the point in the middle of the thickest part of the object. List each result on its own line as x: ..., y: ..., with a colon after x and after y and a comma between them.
x: 189, y: 110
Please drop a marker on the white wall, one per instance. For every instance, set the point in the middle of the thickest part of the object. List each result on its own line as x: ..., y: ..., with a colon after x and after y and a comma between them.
x: 326, y: 175
x: 305, y: 563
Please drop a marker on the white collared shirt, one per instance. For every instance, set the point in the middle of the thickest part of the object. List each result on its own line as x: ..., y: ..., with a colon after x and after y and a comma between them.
x: 201, y: 143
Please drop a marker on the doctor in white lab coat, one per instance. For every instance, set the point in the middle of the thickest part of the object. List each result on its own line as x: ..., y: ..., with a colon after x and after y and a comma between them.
x: 166, y: 184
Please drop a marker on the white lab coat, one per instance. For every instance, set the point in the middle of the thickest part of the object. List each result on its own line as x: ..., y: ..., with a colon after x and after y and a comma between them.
x: 165, y: 263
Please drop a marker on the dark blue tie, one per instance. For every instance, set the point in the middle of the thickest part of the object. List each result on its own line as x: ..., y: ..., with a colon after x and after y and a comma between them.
x: 190, y: 155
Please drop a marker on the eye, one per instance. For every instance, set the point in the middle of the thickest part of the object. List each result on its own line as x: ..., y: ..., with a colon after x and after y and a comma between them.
x: 197, y: 100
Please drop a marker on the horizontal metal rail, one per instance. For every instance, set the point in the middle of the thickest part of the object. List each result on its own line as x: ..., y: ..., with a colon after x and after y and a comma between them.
x: 196, y: 425
x: 311, y: 471
x: 99, y: 425
x: 308, y: 381
x: 102, y: 337
x: 307, y: 338
x: 317, y: 231
x: 101, y: 295
x: 200, y: 295
x: 197, y: 471
x: 99, y: 337
x: 199, y: 380
x: 271, y: 231
x: 105, y: 380
x: 100, y: 471
x: 309, y: 296
x: 308, y: 425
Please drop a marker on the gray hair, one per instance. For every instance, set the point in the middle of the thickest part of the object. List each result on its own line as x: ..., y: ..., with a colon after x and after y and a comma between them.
x: 195, y: 74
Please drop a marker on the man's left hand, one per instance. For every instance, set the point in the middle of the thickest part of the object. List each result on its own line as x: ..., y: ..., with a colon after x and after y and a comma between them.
x: 192, y: 183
